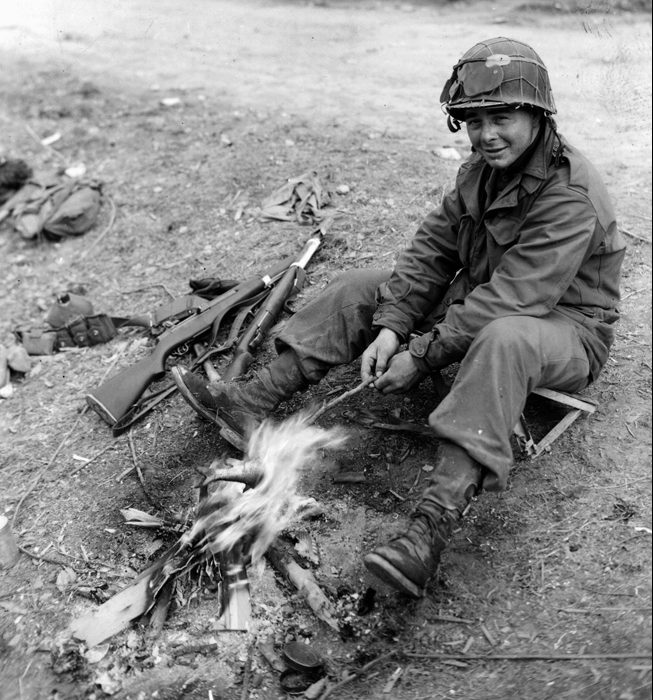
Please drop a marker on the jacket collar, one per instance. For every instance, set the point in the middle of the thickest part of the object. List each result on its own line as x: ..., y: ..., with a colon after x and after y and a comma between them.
x: 526, y: 180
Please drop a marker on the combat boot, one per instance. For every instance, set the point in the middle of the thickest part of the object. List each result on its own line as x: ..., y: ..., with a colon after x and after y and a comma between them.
x: 237, y: 407
x: 410, y: 559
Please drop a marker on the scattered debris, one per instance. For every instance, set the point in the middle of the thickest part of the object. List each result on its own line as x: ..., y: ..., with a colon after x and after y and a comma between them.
x: 302, y: 199
x: 49, y: 140
x: 14, y: 173
x: 75, y: 171
x: 447, y: 153
x: 396, y: 675
x: 622, y: 511
x: 133, y: 516
x: 266, y: 647
x: 170, y: 101
x: 305, y: 583
x: 53, y: 209
x: 9, y: 552
x: 306, y: 547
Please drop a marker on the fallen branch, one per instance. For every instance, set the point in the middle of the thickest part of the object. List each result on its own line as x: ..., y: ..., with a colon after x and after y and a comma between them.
x: 305, y: 583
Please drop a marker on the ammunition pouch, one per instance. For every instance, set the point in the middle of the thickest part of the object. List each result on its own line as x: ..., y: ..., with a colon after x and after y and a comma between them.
x: 79, y: 332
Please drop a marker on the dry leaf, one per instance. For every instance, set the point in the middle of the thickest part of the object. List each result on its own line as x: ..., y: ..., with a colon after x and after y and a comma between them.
x: 307, y: 547
x: 65, y: 577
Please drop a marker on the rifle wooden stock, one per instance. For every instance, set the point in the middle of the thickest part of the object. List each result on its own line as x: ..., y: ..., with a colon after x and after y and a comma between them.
x: 113, y: 399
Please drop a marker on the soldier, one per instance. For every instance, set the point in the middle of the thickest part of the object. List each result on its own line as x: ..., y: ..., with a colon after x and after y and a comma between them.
x: 515, y: 276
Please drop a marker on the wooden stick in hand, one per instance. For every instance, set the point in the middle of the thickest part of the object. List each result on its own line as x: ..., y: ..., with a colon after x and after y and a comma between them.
x: 328, y: 405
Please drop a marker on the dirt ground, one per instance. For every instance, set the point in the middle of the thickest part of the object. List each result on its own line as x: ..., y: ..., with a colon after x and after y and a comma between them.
x: 552, y: 578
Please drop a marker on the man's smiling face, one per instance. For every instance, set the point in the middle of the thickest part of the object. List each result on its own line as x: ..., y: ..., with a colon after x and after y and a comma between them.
x: 501, y: 135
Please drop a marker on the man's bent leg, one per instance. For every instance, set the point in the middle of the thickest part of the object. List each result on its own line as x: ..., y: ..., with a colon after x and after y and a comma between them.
x: 335, y: 327
x: 510, y: 357
x: 331, y: 330
x: 507, y: 361
x: 410, y: 559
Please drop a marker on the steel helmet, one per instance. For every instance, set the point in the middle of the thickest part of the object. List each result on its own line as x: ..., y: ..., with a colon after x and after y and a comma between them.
x: 495, y: 72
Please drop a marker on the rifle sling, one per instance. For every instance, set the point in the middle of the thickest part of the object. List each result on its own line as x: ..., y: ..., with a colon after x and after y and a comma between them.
x: 153, y: 397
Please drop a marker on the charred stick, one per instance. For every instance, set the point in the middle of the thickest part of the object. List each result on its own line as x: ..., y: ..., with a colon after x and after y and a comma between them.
x: 161, y: 607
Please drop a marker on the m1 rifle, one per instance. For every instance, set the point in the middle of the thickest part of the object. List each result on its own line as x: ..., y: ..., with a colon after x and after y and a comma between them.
x: 287, y: 286
x: 119, y: 401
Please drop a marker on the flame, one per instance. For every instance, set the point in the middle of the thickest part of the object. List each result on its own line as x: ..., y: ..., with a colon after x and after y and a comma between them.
x: 255, y: 517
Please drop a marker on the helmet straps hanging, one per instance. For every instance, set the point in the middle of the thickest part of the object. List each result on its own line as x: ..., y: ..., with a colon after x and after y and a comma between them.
x: 453, y: 124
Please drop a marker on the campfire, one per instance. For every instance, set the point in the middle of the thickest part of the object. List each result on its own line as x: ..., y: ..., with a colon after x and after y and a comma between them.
x: 235, y: 525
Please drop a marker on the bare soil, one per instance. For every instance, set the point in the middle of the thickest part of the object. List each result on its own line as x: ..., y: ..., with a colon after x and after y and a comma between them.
x: 554, y: 573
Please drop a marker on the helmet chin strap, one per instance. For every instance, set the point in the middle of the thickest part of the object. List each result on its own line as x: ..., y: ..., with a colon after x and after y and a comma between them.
x: 453, y: 124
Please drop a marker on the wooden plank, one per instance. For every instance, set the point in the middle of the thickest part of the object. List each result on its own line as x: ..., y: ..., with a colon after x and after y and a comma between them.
x: 556, y: 431
x: 572, y: 400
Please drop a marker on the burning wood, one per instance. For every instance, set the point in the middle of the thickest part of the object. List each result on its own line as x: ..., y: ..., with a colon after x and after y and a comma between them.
x: 230, y: 521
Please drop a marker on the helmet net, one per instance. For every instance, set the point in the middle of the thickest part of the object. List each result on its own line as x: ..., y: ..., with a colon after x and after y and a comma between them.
x: 496, y: 72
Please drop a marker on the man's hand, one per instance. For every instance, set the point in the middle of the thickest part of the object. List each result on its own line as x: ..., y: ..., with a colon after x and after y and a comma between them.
x: 401, y: 375
x: 375, y: 359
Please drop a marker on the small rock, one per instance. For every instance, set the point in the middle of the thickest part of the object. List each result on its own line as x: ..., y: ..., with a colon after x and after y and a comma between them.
x: 447, y: 153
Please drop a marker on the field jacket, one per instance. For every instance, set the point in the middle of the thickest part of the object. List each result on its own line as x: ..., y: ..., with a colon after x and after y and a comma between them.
x: 547, y: 243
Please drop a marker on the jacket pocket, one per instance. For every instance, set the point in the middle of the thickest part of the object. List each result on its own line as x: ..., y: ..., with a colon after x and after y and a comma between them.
x: 504, y: 230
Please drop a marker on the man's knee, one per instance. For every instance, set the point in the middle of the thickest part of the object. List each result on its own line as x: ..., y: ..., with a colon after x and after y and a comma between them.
x: 365, y: 279
x: 510, y: 332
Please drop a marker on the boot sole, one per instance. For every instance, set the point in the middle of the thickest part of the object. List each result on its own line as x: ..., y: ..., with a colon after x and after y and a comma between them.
x: 226, y: 431
x: 388, y: 573
x: 189, y: 397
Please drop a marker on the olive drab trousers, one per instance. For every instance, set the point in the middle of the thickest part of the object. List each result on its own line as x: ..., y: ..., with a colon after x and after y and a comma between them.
x: 509, y: 358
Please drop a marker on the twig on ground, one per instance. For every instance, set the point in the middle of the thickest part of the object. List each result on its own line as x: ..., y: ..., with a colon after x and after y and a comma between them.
x: 195, y: 649
x: 247, y: 674
x: 92, y: 459
x: 151, y: 286
x: 160, y: 610
x: 355, y: 674
x: 47, y: 466
x: 328, y: 405
x: 104, y: 232
x: 50, y: 462
x: 523, y: 657
x: 139, y: 473
x: 590, y: 611
x: 49, y: 560
x: 450, y: 618
x: 46, y: 146
x: 487, y: 635
x: 636, y: 236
